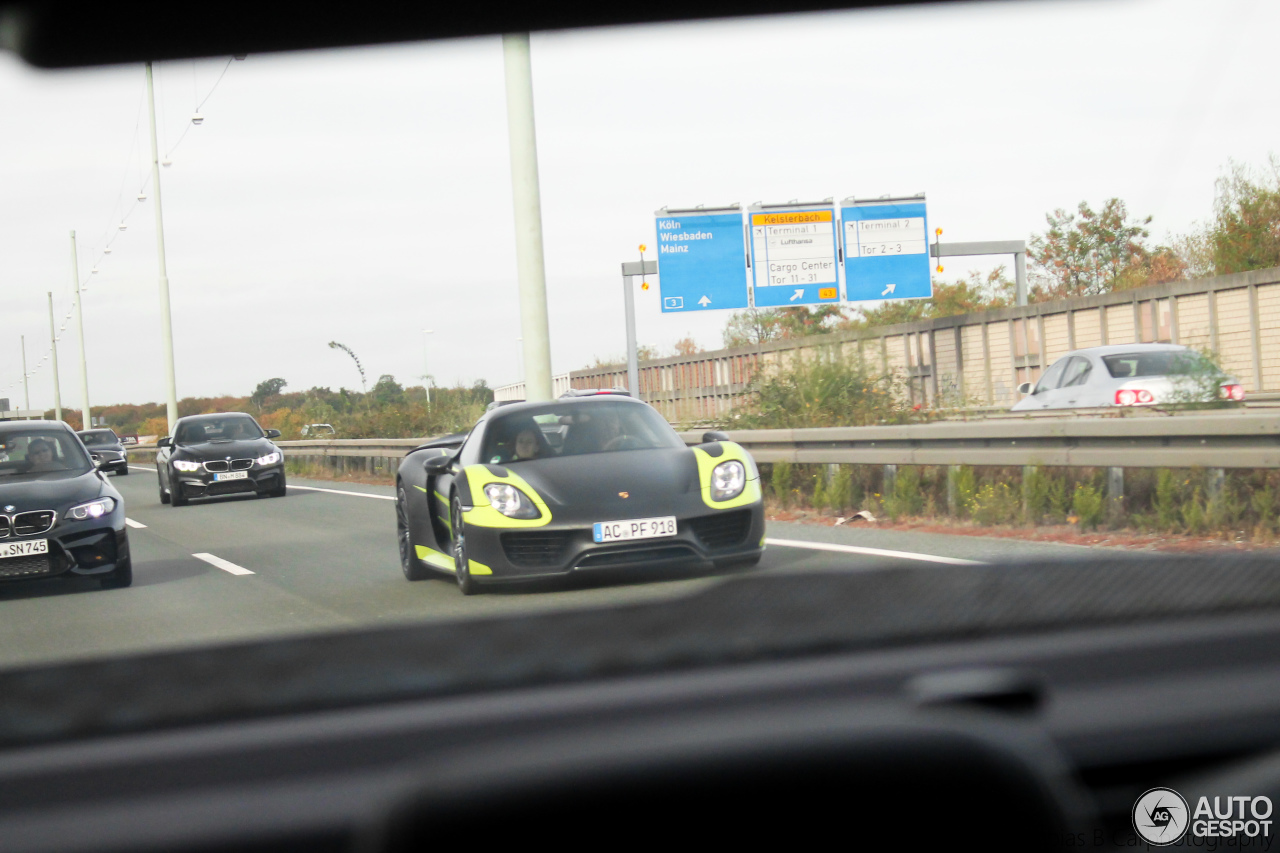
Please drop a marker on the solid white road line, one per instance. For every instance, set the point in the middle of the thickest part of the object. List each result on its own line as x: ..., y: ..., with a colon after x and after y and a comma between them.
x: 340, y: 492
x: 132, y: 523
x: 139, y: 467
x: 873, y: 552
x: 223, y: 564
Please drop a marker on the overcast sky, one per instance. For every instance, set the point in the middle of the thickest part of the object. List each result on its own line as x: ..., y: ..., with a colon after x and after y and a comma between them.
x: 364, y: 195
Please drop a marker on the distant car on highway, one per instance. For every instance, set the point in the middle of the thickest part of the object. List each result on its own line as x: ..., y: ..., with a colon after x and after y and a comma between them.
x: 58, y: 514
x: 219, y: 454
x: 107, y: 448
x: 1129, y: 375
x: 318, y: 431
x: 588, y: 483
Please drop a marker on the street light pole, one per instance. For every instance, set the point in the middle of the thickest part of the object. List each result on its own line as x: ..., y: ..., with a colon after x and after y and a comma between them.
x: 53, y: 341
x: 85, y: 417
x: 426, y: 378
x: 530, y: 269
x: 26, y: 391
x: 166, y: 319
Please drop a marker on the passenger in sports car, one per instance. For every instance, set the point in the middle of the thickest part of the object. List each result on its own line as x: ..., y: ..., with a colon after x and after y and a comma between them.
x: 527, y: 444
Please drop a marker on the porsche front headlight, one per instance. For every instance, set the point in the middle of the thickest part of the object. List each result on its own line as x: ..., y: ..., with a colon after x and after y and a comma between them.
x: 186, y: 465
x: 92, y: 509
x: 510, y: 501
x: 728, y: 479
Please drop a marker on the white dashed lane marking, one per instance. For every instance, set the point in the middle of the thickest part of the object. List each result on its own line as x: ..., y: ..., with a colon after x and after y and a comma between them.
x: 137, y: 524
x: 225, y: 565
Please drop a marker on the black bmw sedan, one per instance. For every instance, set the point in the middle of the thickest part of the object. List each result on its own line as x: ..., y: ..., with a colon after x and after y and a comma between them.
x: 105, y: 448
x: 58, y: 513
x: 220, y: 454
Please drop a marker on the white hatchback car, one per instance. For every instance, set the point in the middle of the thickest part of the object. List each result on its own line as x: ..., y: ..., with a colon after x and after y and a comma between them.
x: 1127, y: 375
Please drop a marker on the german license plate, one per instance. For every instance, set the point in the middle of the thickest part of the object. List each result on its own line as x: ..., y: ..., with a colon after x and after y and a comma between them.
x: 231, y: 475
x: 23, y: 549
x: 635, y: 528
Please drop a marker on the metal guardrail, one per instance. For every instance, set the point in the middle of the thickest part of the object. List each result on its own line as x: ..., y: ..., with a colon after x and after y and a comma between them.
x: 1208, y: 440
x: 1212, y: 439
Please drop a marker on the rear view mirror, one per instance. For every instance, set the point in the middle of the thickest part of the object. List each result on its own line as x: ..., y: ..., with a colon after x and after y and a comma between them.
x: 273, y: 433
x: 1024, y: 388
x: 165, y: 442
x: 714, y: 435
x: 438, y: 464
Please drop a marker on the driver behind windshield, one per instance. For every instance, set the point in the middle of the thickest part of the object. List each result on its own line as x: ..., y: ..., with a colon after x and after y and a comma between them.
x: 41, y: 457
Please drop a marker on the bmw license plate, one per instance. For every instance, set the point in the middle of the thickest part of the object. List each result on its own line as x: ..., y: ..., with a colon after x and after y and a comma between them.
x: 635, y: 528
x: 23, y: 549
x: 231, y: 475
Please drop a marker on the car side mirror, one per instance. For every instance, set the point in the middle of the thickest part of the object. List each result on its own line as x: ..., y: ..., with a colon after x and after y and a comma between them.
x: 1024, y: 388
x: 165, y: 442
x: 438, y: 464
x: 273, y: 433
x: 714, y: 435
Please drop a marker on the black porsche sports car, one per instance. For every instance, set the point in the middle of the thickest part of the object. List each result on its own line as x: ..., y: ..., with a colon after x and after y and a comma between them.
x: 58, y: 513
x: 106, y: 449
x: 539, y: 490
x: 218, y: 454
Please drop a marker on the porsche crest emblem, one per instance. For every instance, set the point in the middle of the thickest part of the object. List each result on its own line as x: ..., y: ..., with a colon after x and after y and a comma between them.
x: 624, y: 495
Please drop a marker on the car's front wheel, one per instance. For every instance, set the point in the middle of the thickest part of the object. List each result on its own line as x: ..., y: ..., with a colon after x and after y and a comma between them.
x: 409, y: 564
x: 164, y: 495
x: 461, y: 562
x: 123, y: 472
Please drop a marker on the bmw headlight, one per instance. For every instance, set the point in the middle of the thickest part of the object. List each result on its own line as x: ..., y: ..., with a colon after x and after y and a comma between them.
x: 510, y: 501
x: 728, y: 479
x: 185, y: 465
x: 270, y: 459
x: 92, y: 509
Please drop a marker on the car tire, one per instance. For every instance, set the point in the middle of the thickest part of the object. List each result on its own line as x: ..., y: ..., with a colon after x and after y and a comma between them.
x: 461, y: 562
x: 120, y: 577
x: 123, y: 472
x: 282, y: 491
x: 409, y: 563
x: 164, y: 496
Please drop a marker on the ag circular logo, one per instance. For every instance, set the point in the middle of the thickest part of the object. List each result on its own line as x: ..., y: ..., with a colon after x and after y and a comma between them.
x: 1160, y: 816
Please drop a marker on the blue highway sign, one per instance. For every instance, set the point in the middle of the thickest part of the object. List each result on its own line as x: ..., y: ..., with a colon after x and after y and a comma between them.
x: 793, y: 255
x: 886, y: 249
x: 701, y: 259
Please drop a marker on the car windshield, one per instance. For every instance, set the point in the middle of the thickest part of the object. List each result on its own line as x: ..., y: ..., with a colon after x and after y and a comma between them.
x: 823, y: 252
x: 574, y: 429
x: 98, y: 437
x: 201, y: 430
x: 1160, y: 363
x: 31, y: 454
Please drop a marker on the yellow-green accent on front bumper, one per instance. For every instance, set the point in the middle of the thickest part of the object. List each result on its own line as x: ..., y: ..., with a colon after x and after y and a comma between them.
x: 483, y: 515
x: 751, y: 492
x: 444, y: 561
x: 434, y: 558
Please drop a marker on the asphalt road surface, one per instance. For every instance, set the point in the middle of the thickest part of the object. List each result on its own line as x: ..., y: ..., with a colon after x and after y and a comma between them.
x: 324, y: 559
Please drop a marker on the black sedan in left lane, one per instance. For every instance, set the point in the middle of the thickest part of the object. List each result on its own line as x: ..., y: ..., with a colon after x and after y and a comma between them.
x: 106, y: 449
x: 219, y: 454
x: 58, y: 513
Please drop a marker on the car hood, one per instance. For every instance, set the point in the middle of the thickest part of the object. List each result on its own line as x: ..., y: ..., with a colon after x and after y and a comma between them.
x: 595, y: 479
x: 250, y: 448
x: 54, y: 490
